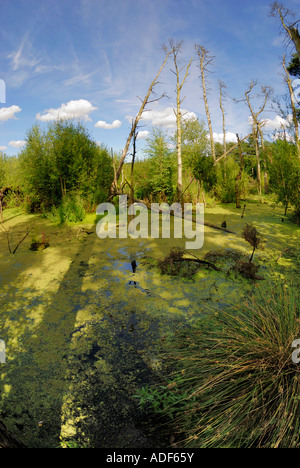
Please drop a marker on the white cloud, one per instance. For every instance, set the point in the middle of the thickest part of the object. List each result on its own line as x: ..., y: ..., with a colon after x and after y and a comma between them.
x: 219, y: 137
x: 3, y: 148
x: 107, y: 126
x: 165, y: 117
x: 274, y: 124
x: 17, y: 143
x: 79, y: 109
x: 143, y: 134
x: 277, y: 123
x: 7, y: 113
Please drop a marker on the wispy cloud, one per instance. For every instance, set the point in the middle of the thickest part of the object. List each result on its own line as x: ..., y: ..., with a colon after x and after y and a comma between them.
x: 79, y: 79
x: 24, y: 55
x: 78, y: 109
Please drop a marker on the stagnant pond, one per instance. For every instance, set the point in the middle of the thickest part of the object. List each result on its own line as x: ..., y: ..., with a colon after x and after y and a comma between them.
x: 83, y: 321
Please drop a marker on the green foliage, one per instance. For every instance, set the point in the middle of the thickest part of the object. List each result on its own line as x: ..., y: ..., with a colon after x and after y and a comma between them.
x: 159, y: 169
x: 195, y: 143
x: 294, y: 66
x: 165, y: 399
x: 227, y: 171
x: 62, y: 160
x: 2, y: 170
x: 205, y: 171
x: 71, y: 209
x: 284, y: 172
x: 236, y: 384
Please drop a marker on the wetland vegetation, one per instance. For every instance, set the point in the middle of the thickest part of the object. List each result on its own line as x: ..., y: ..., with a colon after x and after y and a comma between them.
x: 142, y: 343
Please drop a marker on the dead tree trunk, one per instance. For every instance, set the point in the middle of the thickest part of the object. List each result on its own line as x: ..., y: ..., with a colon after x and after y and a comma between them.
x: 291, y: 29
x: 222, y: 86
x: 255, y: 127
x: 113, y: 187
x: 131, y: 198
x: 175, y: 49
x: 205, y: 60
x: 231, y: 149
x: 294, y: 111
x: 239, y: 176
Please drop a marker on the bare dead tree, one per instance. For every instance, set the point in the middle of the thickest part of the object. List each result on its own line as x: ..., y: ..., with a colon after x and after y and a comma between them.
x: 239, y: 176
x: 175, y: 50
x: 135, y: 135
x: 222, y: 86
x: 6, y: 233
x: 266, y: 91
x: 293, y: 105
x: 291, y: 28
x: 205, y: 61
x: 146, y: 101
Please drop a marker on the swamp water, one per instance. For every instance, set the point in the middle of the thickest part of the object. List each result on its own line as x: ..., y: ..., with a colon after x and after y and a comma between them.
x: 82, y: 324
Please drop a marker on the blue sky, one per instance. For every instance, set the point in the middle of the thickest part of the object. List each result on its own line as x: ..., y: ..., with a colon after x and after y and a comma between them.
x: 94, y: 59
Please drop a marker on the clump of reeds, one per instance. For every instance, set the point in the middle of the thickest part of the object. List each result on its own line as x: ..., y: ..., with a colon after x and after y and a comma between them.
x: 240, y: 385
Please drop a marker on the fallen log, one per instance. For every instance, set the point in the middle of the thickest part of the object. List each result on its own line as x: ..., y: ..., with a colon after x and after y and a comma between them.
x: 213, y: 226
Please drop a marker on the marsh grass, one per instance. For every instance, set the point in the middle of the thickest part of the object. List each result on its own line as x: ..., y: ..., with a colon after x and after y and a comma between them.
x: 238, y: 383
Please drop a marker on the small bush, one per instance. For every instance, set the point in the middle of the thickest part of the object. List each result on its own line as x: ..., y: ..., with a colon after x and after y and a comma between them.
x: 71, y: 210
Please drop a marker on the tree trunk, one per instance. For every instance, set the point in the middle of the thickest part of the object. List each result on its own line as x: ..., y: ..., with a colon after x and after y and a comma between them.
x: 179, y: 158
x: 204, y: 61
x: 175, y: 50
x: 294, y: 111
x: 239, y: 176
x: 223, y: 116
x: 294, y: 33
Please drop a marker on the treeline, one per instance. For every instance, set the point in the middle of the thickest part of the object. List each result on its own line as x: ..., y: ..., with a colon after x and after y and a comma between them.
x: 62, y: 171
x: 229, y: 181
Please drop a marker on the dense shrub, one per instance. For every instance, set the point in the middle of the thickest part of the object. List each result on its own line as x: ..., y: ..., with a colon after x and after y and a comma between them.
x: 227, y: 171
x: 284, y: 171
x: 233, y: 376
x: 62, y: 161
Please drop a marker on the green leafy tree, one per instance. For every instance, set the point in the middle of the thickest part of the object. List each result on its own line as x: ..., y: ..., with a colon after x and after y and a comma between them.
x: 284, y: 172
x: 62, y: 161
x: 195, y: 143
x: 160, y: 167
x: 205, y: 172
x: 294, y: 66
x: 2, y: 169
x: 226, y: 187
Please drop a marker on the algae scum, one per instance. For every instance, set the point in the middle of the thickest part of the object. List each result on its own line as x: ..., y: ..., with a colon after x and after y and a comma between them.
x: 83, y: 321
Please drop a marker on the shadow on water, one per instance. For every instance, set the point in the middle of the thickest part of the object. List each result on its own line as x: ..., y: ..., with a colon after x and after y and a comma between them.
x: 36, y: 376
x: 70, y: 381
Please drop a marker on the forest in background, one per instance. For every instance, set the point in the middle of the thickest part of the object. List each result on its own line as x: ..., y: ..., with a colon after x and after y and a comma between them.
x: 63, y: 173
